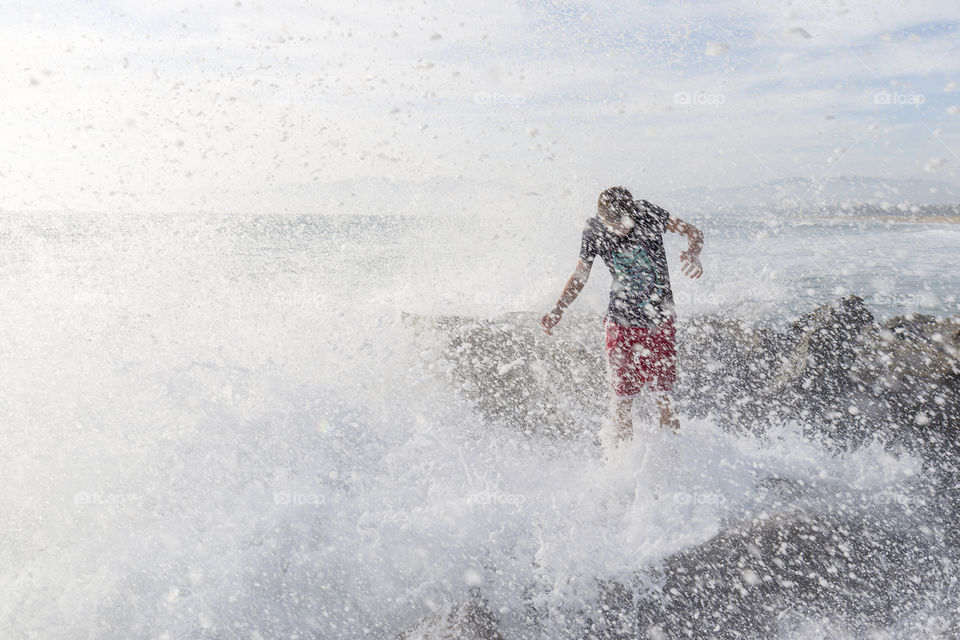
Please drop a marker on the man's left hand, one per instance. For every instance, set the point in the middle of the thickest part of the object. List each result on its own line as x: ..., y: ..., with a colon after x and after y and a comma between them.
x: 691, y: 264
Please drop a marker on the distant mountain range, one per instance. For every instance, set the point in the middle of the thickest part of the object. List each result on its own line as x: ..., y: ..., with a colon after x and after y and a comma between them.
x: 804, y: 194
x: 465, y: 196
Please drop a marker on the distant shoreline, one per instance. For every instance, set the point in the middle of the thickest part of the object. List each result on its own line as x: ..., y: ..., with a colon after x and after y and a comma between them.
x: 924, y: 219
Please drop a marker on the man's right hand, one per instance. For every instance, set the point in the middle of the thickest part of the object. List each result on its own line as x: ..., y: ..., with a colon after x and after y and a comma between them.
x: 570, y: 292
x: 550, y: 320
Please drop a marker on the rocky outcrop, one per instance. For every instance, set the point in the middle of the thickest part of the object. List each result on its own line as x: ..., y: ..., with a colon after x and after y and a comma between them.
x: 752, y: 579
x: 845, y: 377
x: 835, y: 370
x: 860, y: 572
x: 470, y: 620
x: 514, y: 374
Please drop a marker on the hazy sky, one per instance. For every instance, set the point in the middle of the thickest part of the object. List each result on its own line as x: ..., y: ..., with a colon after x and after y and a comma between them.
x: 176, y: 105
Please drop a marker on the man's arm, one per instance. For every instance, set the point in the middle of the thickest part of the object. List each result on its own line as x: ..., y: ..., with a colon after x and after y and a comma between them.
x: 570, y: 292
x: 690, y: 257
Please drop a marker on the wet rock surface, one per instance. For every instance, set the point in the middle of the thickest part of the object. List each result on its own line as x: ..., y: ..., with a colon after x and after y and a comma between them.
x: 755, y: 578
x: 470, y: 620
x: 862, y: 574
x: 835, y: 370
x: 512, y: 373
x: 846, y: 378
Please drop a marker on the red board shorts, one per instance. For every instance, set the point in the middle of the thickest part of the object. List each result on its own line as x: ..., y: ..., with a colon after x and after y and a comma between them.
x: 637, y: 356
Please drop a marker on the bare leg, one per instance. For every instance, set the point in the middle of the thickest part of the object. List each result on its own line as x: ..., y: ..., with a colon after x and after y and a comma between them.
x: 668, y: 420
x: 622, y: 422
x: 621, y: 426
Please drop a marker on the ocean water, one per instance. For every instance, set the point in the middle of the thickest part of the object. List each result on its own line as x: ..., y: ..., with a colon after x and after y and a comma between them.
x: 219, y: 427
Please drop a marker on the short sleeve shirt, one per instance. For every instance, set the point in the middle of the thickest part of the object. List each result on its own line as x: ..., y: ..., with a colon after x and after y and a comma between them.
x: 640, y: 294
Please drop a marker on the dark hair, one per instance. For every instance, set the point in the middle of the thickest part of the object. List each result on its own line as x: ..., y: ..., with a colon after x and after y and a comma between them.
x: 617, y: 201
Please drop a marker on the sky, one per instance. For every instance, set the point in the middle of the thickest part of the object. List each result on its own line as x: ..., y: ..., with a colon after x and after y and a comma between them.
x: 134, y: 105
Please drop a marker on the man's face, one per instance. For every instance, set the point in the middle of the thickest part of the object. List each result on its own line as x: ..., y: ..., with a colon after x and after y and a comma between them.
x: 616, y: 219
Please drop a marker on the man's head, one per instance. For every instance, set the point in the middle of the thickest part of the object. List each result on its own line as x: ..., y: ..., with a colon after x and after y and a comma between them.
x: 614, y: 208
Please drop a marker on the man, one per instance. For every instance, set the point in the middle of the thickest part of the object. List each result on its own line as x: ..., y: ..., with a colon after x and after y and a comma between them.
x: 639, y: 327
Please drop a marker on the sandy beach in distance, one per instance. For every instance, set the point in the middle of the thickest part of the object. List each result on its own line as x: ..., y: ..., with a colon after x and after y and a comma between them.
x: 922, y: 219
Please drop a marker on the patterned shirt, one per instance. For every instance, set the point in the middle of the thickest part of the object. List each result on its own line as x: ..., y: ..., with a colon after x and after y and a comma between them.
x: 640, y: 294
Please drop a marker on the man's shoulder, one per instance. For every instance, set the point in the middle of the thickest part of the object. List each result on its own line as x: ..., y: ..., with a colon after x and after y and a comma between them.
x: 648, y: 212
x: 646, y: 205
x: 592, y: 225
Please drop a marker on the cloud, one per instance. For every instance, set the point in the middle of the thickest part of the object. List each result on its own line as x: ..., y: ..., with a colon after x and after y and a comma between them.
x: 158, y: 106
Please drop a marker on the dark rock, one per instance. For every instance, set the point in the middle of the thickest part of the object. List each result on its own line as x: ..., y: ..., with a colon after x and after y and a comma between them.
x: 471, y: 620
x: 845, y: 378
x: 725, y: 367
x: 742, y: 582
x: 828, y: 341
x: 514, y: 374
